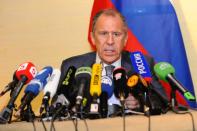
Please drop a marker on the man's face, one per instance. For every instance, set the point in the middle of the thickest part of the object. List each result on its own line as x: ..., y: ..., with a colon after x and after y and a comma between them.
x: 109, y: 37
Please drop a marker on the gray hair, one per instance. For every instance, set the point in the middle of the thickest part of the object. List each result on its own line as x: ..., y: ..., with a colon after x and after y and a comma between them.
x: 108, y: 12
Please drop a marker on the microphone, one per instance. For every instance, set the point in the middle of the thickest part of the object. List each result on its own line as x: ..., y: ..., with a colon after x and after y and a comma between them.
x: 165, y: 72
x: 107, y: 86
x: 139, y: 88
x: 82, y: 77
x: 107, y: 92
x: 121, y: 90
x: 34, y: 87
x: 140, y: 65
x: 10, y: 85
x: 24, y: 74
x: 95, y: 88
x: 66, y: 85
x: 142, y: 68
x: 137, y: 84
x: 132, y: 81
x: 50, y: 89
x: 95, y: 85
x: 61, y: 105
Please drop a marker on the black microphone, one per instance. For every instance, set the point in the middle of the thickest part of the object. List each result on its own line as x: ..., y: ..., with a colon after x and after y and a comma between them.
x: 10, y: 85
x: 137, y: 84
x: 82, y: 77
x: 151, y: 102
x: 140, y: 90
x: 61, y: 105
x: 121, y: 90
x: 67, y: 86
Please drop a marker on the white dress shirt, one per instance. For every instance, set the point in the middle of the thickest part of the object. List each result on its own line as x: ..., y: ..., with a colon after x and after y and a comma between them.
x: 112, y: 100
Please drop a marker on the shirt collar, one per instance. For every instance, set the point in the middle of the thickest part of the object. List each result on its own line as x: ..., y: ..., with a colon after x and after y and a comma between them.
x: 116, y: 63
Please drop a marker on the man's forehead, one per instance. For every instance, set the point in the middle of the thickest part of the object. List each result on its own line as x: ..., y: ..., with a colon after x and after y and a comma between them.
x: 109, y: 21
x: 104, y: 16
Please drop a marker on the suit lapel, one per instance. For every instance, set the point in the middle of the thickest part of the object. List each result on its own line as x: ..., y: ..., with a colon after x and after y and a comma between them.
x: 126, y: 63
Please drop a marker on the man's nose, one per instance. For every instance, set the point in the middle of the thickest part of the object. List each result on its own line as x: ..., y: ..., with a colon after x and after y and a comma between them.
x: 110, y: 39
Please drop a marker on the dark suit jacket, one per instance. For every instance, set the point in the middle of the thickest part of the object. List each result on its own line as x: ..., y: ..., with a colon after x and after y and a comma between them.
x: 88, y: 59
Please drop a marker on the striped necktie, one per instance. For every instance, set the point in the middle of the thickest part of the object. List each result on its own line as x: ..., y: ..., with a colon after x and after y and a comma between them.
x: 109, y: 70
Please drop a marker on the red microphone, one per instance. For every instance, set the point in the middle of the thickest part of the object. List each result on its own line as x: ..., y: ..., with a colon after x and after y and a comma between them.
x: 27, y: 70
x: 25, y: 73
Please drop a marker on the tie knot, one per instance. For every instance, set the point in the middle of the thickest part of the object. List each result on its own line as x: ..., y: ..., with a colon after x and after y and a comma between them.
x: 109, y: 70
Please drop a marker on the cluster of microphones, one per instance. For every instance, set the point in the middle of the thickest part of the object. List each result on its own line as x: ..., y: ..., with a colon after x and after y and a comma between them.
x: 83, y: 92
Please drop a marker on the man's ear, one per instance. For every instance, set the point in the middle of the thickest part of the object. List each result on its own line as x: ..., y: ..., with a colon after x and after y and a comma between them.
x: 92, y: 38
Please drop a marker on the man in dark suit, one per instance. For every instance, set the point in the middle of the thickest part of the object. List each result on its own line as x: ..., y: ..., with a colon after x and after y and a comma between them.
x: 109, y: 35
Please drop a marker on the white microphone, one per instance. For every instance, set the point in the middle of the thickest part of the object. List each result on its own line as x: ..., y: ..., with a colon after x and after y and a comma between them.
x: 50, y: 89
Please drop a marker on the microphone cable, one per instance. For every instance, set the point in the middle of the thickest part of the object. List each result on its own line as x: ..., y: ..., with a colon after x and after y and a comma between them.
x: 29, y: 108
x: 52, y: 127
x: 44, y: 126
x: 27, y: 115
x: 123, y: 117
x: 147, y: 111
x: 185, y: 112
x: 140, y: 113
x: 149, y: 123
x: 149, y: 120
x: 34, y: 126
x: 85, y: 122
x: 75, y: 121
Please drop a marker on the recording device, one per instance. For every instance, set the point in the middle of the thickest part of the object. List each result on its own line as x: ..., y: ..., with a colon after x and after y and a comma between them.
x: 140, y: 90
x: 61, y: 107
x: 155, y: 90
x: 50, y: 90
x: 140, y: 65
x: 34, y: 87
x: 166, y: 71
x: 67, y: 86
x: 10, y: 85
x: 95, y: 89
x: 142, y: 68
x: 24, y: 74
x: 107, y: 92
x: 137, y: 84
x: 82, y: 77
x: 121, y: 90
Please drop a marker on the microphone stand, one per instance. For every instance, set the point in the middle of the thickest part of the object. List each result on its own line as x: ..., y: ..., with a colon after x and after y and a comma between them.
x: 28, y: 114
x: 94, y: 108
x: 122, y: 101
x: 6, y: 114
x: 174, y: 104
x: 173, y: 98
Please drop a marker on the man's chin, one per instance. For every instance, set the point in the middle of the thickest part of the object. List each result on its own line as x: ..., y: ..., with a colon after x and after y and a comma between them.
x: 109, y: 59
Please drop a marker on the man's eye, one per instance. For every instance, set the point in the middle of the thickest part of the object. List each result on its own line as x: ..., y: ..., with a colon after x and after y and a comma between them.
x: 117, y: 34
x: 103, y: 33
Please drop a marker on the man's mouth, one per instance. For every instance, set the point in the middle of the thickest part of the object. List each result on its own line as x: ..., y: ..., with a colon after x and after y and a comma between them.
x: 109, y: 51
